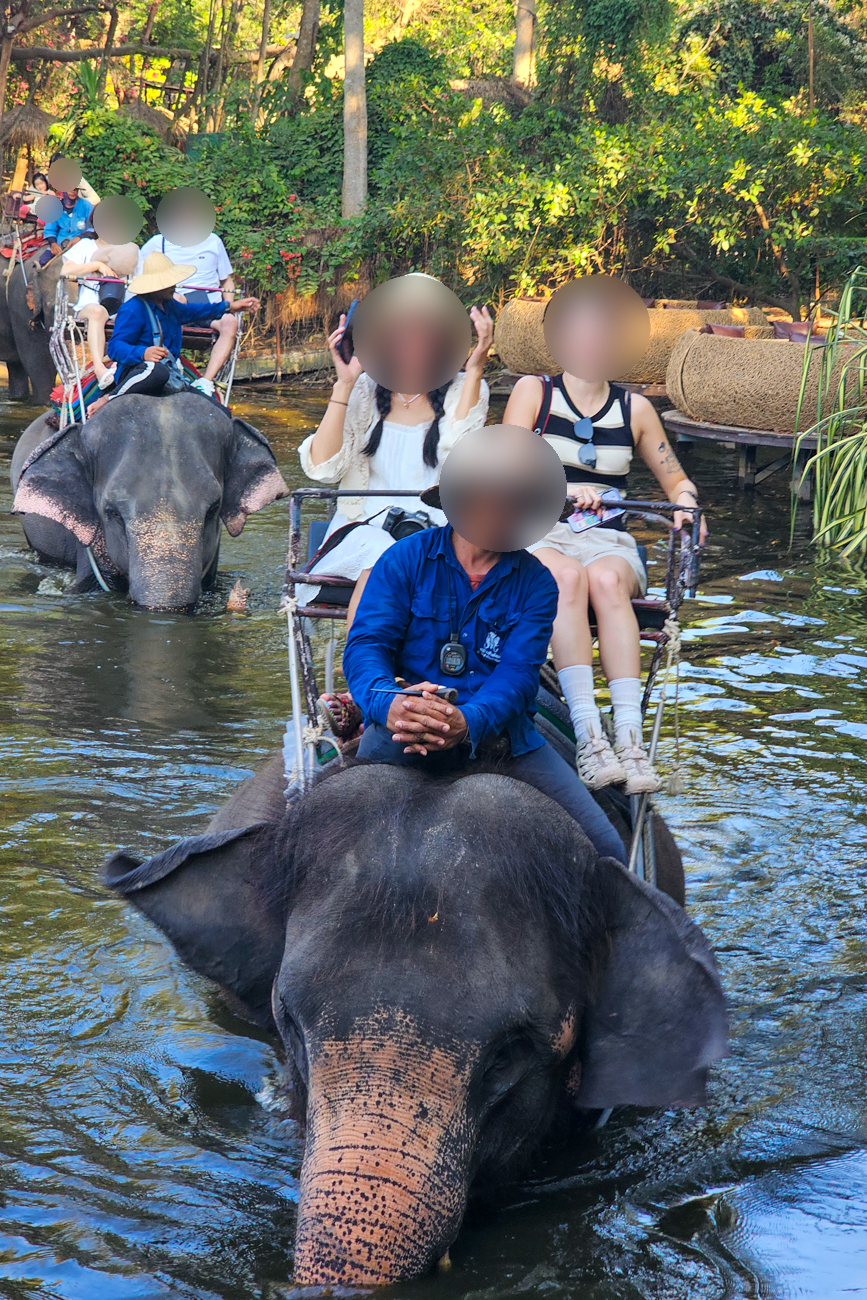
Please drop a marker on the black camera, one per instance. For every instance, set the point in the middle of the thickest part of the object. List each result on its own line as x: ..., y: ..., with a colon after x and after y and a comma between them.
x: 403, y: 523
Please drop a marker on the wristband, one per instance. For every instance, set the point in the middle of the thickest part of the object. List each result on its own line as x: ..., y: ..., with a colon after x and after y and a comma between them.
x: 332, y: 401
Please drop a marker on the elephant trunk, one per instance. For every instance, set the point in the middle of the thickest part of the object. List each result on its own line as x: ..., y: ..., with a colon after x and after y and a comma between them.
x: 386, y: 1167
x: 165, y: 562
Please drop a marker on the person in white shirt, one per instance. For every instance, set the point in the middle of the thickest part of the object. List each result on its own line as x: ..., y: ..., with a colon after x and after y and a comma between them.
x: 212, y: 282
x: 93, y: 256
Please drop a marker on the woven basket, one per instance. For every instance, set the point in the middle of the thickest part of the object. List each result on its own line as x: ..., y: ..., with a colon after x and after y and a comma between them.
x: 520, y: 343
x: 749, y: 383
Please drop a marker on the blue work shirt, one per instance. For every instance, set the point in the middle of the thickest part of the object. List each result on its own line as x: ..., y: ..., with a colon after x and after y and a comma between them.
x: 133, y: 332
x: 404, y: 619
x: 71, y: 224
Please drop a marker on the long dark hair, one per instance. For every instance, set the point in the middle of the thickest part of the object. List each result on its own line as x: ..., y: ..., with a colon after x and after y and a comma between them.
x: 437, y: 400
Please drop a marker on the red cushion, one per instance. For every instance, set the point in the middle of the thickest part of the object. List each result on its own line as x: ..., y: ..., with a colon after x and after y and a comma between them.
x: 795, y: 330
x: 726, y: 331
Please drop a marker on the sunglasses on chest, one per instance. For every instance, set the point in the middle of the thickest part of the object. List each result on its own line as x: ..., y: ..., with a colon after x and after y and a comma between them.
x: 583, y: 431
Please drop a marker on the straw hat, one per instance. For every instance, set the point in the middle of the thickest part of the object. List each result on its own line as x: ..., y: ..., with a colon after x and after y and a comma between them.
x: 159, y: 272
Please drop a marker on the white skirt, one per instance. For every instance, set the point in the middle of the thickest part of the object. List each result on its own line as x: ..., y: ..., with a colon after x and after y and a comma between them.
x: 595, y: 544
x: 358, y: 550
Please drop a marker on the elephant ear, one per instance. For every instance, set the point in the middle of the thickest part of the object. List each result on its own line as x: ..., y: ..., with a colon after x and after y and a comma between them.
x: 656, y: 1018
x: 252, y: 479
x: 206, y: 896
x: 55, y: 482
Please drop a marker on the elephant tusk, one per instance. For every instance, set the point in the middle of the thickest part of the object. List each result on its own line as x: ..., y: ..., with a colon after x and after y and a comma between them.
x: 96, y: 573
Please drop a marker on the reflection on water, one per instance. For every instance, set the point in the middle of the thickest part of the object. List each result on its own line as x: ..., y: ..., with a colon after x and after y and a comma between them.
x: 145, y: 1147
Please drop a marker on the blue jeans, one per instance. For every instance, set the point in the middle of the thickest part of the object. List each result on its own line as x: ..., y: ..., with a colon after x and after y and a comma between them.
x: 542, y: 768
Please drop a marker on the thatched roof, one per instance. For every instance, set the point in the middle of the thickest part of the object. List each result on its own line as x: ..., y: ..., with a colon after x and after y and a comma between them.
x: 493, y: 90
x: 152, y: 117
x: 25, y: 125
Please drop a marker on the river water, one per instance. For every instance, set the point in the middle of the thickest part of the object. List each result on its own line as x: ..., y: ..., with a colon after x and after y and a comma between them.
x: 144, y: 1147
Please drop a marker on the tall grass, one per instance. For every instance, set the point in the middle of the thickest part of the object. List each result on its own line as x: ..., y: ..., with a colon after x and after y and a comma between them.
x: 839, y: 462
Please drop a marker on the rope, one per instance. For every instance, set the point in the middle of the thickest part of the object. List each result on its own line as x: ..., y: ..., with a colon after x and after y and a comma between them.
x: 671, y: 628
x: 96, y: 573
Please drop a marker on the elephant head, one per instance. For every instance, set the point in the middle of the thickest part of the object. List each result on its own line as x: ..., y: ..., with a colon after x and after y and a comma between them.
x: 145, y: 485
x: 447, y: 964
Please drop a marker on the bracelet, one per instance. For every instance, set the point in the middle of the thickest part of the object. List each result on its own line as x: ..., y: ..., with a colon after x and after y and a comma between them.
x: 686, y: 493
x: 332, y: 401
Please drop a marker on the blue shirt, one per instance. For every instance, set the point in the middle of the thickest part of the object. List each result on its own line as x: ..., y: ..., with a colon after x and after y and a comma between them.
x: 404, y: 618
x: 133, y: 331
x: 71, y: 224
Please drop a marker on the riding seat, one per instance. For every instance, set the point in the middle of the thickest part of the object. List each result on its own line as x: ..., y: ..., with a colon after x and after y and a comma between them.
x: 334, y: 596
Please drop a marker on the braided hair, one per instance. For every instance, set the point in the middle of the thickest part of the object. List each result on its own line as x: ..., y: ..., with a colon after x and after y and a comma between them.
x: 437, y: 400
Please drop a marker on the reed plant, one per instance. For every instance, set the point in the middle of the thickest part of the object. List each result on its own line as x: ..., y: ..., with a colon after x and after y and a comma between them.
x: 839, y: 462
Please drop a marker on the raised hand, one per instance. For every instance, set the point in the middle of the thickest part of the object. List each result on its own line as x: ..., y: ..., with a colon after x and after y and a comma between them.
x: 347, y: 371
x: 484, y: 327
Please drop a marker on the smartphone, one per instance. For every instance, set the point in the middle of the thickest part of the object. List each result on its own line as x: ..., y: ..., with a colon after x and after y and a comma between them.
x: 581, y: 520
x: 345, y: 350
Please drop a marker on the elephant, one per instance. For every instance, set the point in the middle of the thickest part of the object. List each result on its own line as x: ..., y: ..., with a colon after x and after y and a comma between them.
x: 26, y: 317
x: 139, y: 492
x: 452, y: 971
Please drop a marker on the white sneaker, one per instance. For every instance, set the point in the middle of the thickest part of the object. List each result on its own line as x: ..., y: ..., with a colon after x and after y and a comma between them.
x: 641, y: 777
x: 203, y: 385
x: 107, y: 380
x: 596, y: 761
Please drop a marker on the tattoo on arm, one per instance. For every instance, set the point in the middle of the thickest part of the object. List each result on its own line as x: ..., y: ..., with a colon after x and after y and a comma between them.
x: 668, y: 459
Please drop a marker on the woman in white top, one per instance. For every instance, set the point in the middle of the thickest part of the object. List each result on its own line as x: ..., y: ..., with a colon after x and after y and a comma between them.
x: 371, y: 438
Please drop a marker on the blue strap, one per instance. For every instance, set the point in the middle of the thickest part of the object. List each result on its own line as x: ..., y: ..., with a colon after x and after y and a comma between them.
x: 156, y: 327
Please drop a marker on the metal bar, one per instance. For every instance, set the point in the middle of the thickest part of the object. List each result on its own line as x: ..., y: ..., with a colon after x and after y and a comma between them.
x: 295, y: 691
x: 329, y: 661
x: 644, y: 800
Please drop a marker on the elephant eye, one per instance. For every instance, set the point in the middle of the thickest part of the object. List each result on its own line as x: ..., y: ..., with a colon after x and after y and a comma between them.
x: 511, y: 1061
x: 113, y: 515
x: 213, y: 511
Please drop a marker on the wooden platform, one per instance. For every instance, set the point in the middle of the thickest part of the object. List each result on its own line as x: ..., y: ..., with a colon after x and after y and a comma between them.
x: 746, y: 442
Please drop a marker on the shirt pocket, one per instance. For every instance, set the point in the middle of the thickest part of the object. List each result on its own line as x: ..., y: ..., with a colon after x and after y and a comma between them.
x: 493, y: 629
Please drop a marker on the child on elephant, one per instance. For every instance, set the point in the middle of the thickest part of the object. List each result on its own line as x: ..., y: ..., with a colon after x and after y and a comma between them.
x: 95, y: 257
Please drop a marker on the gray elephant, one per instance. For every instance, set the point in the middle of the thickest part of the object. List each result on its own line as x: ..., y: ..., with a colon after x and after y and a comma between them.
x: 26, y: 317
x: 450, y: 968
x: 140, y: 492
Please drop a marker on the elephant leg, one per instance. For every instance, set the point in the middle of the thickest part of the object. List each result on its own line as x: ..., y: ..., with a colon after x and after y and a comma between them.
x: 209, y: 577
x: 19, y: 386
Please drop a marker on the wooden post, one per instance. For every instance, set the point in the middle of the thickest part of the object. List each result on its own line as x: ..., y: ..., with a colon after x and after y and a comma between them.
x: 354, y: 110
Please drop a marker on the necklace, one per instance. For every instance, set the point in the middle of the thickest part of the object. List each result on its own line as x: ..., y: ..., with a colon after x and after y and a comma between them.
x: 408, y: 401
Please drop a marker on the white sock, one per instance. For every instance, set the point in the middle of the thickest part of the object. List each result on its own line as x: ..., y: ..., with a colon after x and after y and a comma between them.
x: 626, y: 699
x: 577, y: 686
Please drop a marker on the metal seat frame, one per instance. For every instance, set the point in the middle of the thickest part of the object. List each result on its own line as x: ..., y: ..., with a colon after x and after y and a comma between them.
x: 681, y: 580
x: 68, y: 346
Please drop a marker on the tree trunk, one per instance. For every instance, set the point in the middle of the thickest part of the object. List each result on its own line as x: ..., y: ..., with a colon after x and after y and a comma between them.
x: 109, y: 44
x: 5, y: 56
x: 354, y: 110
x: 260, y: 66
x: 305, y: 50
x: 525, y: 42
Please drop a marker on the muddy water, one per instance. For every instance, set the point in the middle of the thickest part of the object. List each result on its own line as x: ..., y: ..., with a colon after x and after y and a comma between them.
x: 144, y: 1149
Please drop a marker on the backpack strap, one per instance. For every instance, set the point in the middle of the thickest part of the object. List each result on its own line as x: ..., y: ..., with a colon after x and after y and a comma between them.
x: 156, y: 327
x: 545, y: 409
x: 625, y: 395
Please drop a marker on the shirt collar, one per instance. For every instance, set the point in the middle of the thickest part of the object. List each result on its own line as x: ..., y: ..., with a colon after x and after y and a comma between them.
x: 443, y: 546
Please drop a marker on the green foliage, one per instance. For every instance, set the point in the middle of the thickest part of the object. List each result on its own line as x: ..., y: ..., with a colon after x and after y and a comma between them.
x: 761, y: 45
x: 839, y: 463
x: 121, y: 156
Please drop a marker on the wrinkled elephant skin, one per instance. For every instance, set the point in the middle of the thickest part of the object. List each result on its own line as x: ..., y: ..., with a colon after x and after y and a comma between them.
x: 145, y: 484
x: 26, y: 317
x: 449, y: 966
